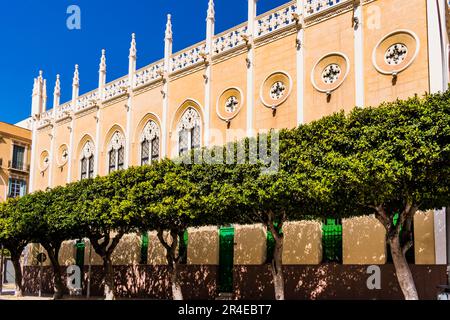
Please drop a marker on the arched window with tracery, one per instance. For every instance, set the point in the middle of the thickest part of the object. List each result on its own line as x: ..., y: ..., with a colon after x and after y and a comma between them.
x: 189, y: 131
x: 87, y: 160
x: 150, y: 143
x: 116, y: 152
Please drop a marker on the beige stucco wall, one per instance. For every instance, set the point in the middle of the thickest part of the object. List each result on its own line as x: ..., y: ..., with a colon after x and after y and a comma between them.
x: 230, y: 70
x: 332, y: 35
x: 203, y: 246
x: 363, y: 241
x: 113, y: 118
x: 424, y: 249
x: 128, y: 251
x: 302, y: 243
x: 84, y: 128
x: 379, y: 21
x: 146, y: 105
x: 42, y: 144
x: 31, y: 252
x: 189, y: 87
x: 250, y: 244
x: 67, y: 253
x: 156, y: 251
x: 278, y: 55
x: 226, y: 74
x: 95, y: 259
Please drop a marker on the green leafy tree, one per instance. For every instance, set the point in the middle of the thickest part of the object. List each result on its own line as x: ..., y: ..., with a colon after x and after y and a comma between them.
x: 60, y: 221
x: 386, y: 161
x: 169, y: 202
x: 107, y: 215
x: 14, y: 235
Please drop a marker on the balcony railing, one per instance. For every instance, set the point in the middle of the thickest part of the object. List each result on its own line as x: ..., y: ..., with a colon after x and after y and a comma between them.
x: 18, y: 166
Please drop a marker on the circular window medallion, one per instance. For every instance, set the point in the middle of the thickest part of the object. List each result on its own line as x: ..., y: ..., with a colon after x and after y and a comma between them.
x: 229, y: 104
x: 395, y: 52
x: 276, y: 89
x: 330, y: 72
x: 44, y: 161
x: 63, y: 155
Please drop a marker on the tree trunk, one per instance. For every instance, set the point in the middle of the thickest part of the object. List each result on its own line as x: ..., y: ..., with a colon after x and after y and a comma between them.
x: 104, y: 247
x: 277, y: 270
x: 404, y: 275
x: 109, y: 277
x: 53, y: 254
x: 172, y: 261
x: 177, y: 294
x: 17, y: 274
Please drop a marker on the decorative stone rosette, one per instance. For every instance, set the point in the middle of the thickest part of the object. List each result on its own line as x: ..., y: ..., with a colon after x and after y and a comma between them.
x: 229, y: 104
x: 395, y: 52
x: 275, y: 89
x: 63, y: 155
x: 330, y: 72
x: 44, y: 161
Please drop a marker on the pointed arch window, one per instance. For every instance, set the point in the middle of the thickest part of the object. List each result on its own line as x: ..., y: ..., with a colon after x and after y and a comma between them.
x: 116, y: 152
x: 87, y: 161
x: 189, y: 131
x: 150, y: 143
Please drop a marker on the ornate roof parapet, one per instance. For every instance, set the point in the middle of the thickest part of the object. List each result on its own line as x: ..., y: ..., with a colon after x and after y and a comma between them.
x: 276, y: 20
x: 266, y: 27
x: 148, y: 74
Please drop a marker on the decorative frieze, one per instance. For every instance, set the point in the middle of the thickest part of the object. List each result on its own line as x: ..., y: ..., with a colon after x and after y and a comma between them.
x: 149, y: 74
x: 45, y: 119
x: 277, y: 20
x: 116, y: 89
x: 316, y: 6
x: 188, y: 58
x: 87, y: 101
x: 63, y: 111
x: 230, y: 40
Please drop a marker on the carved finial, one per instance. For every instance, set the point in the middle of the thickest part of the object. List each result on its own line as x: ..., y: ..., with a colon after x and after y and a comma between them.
x: 76, y: 76
x: 169, y: 32
x: 35, y: 87
x: 44, y: 96
x: 211, y: 11
x: 133, y: 49
x: 103, y: 61
x: 57, y: 90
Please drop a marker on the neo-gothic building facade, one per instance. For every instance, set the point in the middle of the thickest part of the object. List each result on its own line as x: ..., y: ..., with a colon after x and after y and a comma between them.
x: 291, y: 65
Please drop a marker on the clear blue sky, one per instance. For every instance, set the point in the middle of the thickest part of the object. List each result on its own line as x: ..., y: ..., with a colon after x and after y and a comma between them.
x: 34, y: 36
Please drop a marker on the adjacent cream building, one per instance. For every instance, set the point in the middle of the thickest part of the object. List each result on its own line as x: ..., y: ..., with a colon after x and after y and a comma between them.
x: 15, y: 147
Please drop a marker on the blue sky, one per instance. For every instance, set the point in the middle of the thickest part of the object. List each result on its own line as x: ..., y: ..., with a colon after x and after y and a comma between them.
x: 35, y: 36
